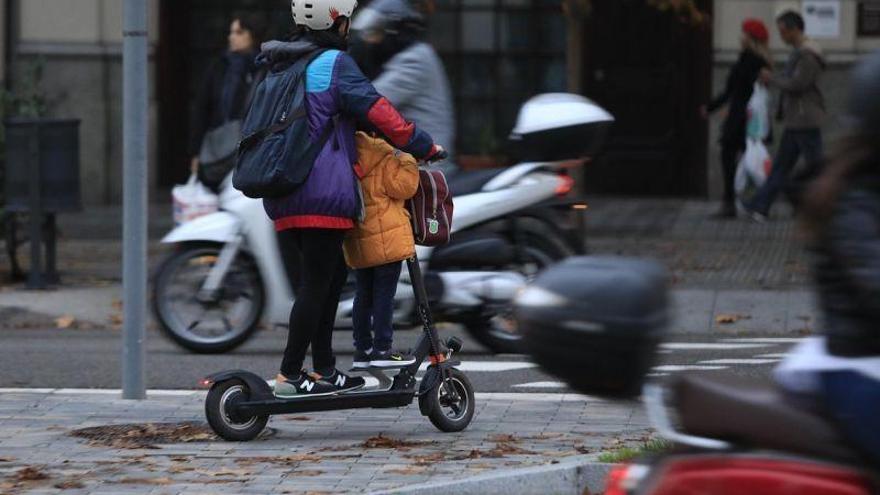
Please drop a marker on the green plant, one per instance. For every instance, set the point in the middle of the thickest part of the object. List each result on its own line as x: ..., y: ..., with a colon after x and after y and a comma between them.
x: 625, y: 454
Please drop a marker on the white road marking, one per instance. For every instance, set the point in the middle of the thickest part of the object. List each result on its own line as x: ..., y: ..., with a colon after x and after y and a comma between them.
x: 707, y: 346
x: 656, y: 375
x: 780, y: 355
x: 740, y: 361
x: 541, y: 385
x: 491, y: 366
x: 686, y: 367
x: 767, y: 340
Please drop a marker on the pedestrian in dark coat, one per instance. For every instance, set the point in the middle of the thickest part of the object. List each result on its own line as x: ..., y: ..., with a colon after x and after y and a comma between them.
x: 225, y: 92
x: 738, y: 90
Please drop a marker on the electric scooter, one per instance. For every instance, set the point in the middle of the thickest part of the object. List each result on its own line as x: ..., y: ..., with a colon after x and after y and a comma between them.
x: 239, y: 403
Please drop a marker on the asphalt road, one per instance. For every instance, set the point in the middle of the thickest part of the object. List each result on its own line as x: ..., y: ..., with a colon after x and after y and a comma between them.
x: 53, y: 358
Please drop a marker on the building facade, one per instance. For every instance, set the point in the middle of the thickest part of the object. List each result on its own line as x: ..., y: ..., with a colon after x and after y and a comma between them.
x: 651, y: 62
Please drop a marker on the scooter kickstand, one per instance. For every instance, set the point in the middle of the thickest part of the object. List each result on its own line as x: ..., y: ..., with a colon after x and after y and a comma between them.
x: 384, y: 380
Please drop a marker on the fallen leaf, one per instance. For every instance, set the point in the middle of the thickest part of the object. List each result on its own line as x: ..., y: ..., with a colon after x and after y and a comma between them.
x: 427, y: 459
x: 7, y: 459
x: 306, y: 472
x: 117, y: 304
x: 727, y: 319
x: 299, y: 418
x: 64, y: 322
x: 408, y: 470
x: 142, y: 481
x: 30, y: 473
x: 228, y: 472
x: 383, y: 442
x: 69, y: 485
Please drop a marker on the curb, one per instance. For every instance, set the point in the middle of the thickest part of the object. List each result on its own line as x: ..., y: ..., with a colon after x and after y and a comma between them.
x: 572, y: 476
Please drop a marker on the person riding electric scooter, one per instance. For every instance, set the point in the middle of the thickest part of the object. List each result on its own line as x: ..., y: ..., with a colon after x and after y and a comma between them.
x: 316, y: 215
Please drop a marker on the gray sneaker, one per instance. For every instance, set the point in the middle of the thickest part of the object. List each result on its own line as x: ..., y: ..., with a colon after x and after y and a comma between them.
x: 302, y: 386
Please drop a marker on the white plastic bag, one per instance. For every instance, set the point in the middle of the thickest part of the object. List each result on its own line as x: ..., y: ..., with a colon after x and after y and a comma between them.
x: 758, y: 111
x: 753, y: 170
x: 193, y: 200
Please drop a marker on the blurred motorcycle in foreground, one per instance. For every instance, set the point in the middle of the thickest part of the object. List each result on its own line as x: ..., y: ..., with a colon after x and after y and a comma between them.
x: 226, y: 274
x: 597, y: 322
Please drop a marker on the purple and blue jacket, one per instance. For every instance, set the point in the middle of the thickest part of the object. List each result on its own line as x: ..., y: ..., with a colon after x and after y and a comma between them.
x: 336, y: 89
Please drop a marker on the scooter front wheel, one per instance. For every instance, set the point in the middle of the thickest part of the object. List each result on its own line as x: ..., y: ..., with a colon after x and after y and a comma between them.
x: 450, y: 404
x: 220, y: 409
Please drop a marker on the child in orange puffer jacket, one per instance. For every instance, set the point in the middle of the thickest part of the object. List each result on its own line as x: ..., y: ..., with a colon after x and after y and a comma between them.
x: 376, y: 247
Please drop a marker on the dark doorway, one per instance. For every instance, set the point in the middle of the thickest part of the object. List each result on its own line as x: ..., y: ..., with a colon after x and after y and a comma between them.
x: 192, y: 35
x: 650, y: 66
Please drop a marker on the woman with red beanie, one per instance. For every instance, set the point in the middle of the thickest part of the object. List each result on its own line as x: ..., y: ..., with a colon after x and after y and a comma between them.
x: 755, y: 56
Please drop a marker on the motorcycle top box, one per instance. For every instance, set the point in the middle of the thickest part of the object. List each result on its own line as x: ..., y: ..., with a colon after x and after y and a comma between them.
x: 559, y: 126
x: 596, y: 322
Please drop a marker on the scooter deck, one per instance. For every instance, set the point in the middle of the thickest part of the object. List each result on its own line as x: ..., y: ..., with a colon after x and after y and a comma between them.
x: 379, y: 399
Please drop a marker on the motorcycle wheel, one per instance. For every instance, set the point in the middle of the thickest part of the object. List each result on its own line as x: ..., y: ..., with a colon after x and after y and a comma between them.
x: 497, y: 331
x: 207, y: 327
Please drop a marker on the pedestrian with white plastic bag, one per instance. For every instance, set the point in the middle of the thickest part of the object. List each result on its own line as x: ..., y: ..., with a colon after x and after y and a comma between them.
x: 756, y: 163
x: 737, y: 95
x: 193, y: 200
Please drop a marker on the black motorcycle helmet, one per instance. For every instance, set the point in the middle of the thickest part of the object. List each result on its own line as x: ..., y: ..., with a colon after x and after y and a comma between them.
x: 384, y: 29
x: 864, y: 96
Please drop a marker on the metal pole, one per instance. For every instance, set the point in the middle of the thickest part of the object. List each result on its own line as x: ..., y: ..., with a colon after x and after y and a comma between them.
x: 134, y: 173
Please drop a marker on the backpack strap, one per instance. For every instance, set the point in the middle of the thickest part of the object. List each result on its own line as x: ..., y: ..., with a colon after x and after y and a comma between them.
x: 287, y: 120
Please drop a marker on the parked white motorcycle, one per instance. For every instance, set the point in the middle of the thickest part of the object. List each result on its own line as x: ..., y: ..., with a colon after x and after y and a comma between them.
x: 226, y: 275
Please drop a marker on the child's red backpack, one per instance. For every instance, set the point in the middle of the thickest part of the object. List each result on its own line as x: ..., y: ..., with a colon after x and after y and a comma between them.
x: 431, y: 209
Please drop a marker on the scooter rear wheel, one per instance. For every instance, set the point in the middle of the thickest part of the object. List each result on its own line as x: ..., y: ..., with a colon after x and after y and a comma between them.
x: 450, y: 414
x: 219, y: 409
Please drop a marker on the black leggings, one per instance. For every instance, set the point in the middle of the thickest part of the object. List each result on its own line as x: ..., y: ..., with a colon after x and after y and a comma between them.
x: 321, y: 276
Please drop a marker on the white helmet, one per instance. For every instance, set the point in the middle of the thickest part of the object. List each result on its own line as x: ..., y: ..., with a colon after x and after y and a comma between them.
x: 319, y: 15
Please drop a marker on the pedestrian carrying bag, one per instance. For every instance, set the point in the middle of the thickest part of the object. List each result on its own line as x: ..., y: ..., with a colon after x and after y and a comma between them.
x: 277, y: 154
x: 192, y: 200
x: 753, y: 170
x: 431, y: 209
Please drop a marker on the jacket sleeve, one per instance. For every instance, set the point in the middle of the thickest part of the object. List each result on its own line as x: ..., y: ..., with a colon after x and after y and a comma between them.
x: 805, y: 75
x: 854, y: 240
x: 358, y: 98
x: 402, y: 176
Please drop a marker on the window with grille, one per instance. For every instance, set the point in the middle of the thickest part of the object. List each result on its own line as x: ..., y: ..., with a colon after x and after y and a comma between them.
x: 498, y: 54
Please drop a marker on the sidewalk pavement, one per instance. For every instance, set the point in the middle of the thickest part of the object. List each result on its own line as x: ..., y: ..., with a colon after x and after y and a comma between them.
x: 730, y: 277
x: 355, y: 451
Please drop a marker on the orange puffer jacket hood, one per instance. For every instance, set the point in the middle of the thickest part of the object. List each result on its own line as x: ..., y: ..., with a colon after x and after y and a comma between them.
x: 388, y: 178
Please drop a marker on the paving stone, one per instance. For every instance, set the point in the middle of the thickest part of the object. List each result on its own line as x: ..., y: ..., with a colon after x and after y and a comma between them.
x: 337, y: 438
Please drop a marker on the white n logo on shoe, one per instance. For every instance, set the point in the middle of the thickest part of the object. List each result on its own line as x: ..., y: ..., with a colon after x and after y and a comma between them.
x: 340, y: 381
x: 308, y: 385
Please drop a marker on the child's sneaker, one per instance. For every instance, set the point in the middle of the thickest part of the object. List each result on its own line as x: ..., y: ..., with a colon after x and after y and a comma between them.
x: 342, y: 382
x: 302, y: 386
x: 361, y: 360
x: 390, y: 359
